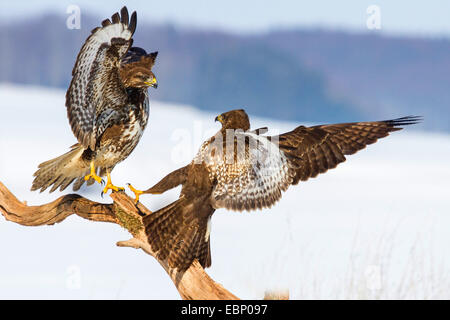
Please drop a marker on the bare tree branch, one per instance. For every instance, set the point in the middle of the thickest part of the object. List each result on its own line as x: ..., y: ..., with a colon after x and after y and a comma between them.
x: 192, y: 284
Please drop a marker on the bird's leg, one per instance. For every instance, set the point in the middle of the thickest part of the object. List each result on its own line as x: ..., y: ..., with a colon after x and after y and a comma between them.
x: 109, y: 185
x: 137, y: 192
x: 93, y: 175
x: 170, y: 181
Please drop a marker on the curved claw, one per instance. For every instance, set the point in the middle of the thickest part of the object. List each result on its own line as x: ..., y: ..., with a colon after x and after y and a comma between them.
x: 112, y: 187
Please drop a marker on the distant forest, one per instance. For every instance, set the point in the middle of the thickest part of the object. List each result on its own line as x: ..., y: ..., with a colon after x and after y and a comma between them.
x: 301, y: 75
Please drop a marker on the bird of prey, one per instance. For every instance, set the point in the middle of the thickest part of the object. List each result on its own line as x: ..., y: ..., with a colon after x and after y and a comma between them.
x: 239, y: 169
x: 107, y: 106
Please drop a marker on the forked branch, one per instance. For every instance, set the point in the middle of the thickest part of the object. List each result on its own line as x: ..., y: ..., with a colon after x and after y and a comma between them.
x: 192, y: 284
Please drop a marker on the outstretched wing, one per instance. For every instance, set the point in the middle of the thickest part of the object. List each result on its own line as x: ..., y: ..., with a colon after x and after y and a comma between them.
x: 314, y: 150
x: 252, y: 177
x: 96, y: 83
x: 274, y: 163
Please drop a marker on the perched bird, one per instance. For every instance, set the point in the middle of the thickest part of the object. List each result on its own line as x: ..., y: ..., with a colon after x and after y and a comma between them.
x: 107, y: 106
x: 238, y: 169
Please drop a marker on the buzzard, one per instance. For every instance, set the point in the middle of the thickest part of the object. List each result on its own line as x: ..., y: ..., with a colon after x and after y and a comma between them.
x: 238, y: 169
x: 107, y: 106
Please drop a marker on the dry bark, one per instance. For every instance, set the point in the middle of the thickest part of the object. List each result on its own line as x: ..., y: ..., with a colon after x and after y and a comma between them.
x: 192, y: 284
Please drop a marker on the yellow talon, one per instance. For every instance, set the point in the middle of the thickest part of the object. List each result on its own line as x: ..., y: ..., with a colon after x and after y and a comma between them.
x: 136, y: 192
x: 93, y: 175
x: 109, y: 185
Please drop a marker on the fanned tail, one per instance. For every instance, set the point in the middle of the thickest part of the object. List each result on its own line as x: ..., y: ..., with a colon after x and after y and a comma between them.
x: 178, y: 235
x: 61, y: 171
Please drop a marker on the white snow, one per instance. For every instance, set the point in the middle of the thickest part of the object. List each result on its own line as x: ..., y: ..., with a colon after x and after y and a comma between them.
x: 375, y: 227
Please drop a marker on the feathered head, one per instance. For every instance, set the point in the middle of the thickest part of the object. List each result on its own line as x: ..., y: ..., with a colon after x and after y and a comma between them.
x: 234, y: 119
x: 136, y: 69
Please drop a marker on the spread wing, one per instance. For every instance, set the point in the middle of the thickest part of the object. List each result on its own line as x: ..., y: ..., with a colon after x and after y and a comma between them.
x: 254, y: 179
x: 274, y: 163
x: 96, y: 86
x: 316, y: 149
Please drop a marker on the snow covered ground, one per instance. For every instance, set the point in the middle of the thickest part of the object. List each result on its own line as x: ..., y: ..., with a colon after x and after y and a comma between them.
x: 375, y: 227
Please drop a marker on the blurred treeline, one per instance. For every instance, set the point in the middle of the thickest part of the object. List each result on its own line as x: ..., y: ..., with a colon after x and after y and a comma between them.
x: 302, y: 75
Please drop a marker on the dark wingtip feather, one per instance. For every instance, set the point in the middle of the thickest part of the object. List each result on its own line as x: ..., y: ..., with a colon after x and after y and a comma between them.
x: 124, y: 15
x: 133, y: 22
x: 115, y: 18
x: 106, y: 23
x: 404, y: 121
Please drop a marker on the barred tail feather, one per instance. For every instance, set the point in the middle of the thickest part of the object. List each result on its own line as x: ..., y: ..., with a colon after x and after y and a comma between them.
x: 61, y: 171
x: 178, y: 235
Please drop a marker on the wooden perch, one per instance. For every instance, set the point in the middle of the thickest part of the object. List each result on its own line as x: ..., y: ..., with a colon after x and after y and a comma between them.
x: 192, y: 284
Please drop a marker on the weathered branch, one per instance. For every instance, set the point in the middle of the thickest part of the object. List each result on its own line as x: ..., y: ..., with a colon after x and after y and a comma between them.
x: 192, y: 284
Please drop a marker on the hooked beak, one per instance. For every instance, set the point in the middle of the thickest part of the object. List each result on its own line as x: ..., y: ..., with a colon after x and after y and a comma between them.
x: 152, y: 83
x: 219, y: 118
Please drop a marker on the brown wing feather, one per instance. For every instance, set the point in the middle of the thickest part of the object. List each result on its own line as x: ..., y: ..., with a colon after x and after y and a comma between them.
x: 177, y: 233
x: 96, y: 82
x: 315, y: 150
x: 260, y: 178
x: 253, y: 180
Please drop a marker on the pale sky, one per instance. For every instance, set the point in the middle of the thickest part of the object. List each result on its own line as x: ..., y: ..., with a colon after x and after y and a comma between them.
x: 397, y: 16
